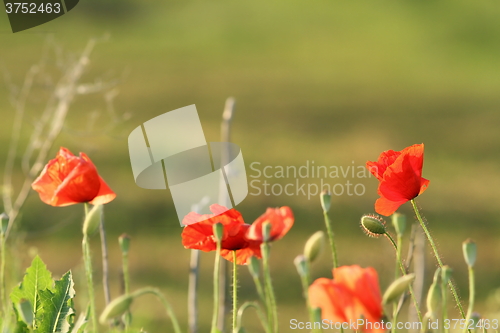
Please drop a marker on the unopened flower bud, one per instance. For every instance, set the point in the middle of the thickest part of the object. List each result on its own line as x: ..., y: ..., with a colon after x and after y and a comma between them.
x: 254, y: 267
x: 4, y: 221
x: 266, y: 231
x: 397, y: 288
x: 373, y: 226
x: 446, y: 274
x: 124, y: 241
x: 218, y: 230
x: 399, y: 223
x: 326, y: 199
x: 434, y: 297
x: 116, y: 308
x: 470, y: 252
x: 314, y: 246
x: 301, y: 265
x: 92, y: 220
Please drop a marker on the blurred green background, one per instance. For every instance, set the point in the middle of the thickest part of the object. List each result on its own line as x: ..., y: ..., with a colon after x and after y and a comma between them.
x: 331, y: 82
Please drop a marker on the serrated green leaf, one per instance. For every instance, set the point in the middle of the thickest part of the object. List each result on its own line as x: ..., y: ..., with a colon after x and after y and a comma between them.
x: 57, y: 306
x: 37, y: 278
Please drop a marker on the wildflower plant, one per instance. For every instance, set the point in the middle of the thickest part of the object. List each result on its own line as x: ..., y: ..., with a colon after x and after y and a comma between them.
x: 351, y: 294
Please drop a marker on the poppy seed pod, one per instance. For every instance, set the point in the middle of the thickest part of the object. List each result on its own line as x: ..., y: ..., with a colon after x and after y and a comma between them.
x: 124, y: 241
x: 326, y: 198
x: 373, y: 226
x: 218, y: 230
x: 314, y: 246
x: 470, y: 252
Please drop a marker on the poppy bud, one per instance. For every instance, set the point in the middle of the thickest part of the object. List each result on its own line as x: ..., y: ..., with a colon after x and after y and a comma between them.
x: 116, y: 308
x: 301, y: 265
x: 254, y: 267
x: 218, y: 230
x: 373, y: 226
x: 397, y: 288
x: 326, y: 198
x: 314, y: 246
x: 266, y: 231
x: 434, y: 297
x: 470, y: 252
x: 4, y: 220
x: 92, y: 220
x: 124, y: 241
x: 399, y: 223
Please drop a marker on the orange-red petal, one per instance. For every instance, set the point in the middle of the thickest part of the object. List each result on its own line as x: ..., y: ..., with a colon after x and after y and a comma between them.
x: 281, y: 220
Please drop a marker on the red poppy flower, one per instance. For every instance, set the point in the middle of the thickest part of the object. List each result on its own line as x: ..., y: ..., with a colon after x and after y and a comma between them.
x: 199, y: 235
x: 353, y: 294
x: 69, y: 179
x: 281, y: 220
x: 400, y: 176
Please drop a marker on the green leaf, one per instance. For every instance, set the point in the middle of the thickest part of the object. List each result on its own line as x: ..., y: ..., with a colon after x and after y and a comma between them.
x: 37, y: 278
x: 57, y: 306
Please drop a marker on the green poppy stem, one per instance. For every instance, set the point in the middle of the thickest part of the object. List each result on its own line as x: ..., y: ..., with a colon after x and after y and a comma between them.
x: 88, y: 273
x: 216, y: 288
x: 269, y: 287
x: 331, y: 239
x: 260, y: 314
x: 437, y: 256
x: 235, y: 292
x: 403, y: 271
x: 472, y: 294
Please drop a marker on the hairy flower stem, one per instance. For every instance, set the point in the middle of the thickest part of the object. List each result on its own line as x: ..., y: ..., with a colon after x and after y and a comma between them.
x: 273, y: 320
x: 126, y: 286
x: 88, y: 272
x: 235, y: 292
x: 305, y: 278
x: 329, y: 230
x: 472, y: 293
x: 437, y: 256
x: 216, y: 288
x: 403, y: 271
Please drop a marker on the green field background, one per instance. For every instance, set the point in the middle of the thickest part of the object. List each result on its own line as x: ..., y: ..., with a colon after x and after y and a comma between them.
x: 334, y: 82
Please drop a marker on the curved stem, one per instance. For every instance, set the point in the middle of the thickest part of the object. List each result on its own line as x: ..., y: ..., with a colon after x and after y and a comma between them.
x: 216, y: 288
x: 437, y: 256
x: 260, y: 314
x: 329, y: 230
x: 235, y: 292
x: 166, y: 304
x: 403, y: 271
